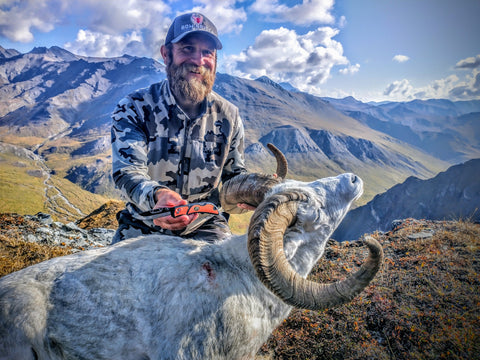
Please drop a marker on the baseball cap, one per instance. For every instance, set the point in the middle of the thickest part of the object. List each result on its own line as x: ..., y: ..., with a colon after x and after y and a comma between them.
x: 192, y: 23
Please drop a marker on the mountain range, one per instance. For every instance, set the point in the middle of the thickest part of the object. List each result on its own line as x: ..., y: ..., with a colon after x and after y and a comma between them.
x: 57, y: 105
x: 451, y: 195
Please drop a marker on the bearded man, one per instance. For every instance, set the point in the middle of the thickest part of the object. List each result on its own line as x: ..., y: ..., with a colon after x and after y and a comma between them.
x: 174, y: 142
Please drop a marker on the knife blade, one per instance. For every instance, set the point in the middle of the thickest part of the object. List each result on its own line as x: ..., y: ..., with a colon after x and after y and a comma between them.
x: 175, y: 211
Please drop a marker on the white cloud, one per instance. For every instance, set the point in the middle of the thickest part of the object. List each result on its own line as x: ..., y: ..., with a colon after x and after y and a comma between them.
x: 226, y: 17
x: 342, y: 22
x: 115, y: 17
x: 110, y: 27
x: 306, y: 13
x: 91, y: 43
x: 467, y: 89
x: 401, y: 89
x: 469, y: 63
x: 401, y: 58
x: 305, y: 61
x: 349, y: 70
x: 19, y: 18
x: 451, y: 87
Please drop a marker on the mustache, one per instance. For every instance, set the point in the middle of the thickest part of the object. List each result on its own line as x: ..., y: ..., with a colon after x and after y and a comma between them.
x: 187, y: 68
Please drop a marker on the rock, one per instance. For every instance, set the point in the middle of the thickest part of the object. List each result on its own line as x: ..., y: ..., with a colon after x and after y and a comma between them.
x: 42, y: 218
x: 43, y: 230
x: 421, y: 235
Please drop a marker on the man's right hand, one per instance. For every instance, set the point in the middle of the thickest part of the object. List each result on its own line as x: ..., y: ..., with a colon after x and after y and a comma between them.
x: 167, y: 198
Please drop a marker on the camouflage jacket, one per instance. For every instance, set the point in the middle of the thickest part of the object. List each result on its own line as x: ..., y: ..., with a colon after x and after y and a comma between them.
x: 155, y: 145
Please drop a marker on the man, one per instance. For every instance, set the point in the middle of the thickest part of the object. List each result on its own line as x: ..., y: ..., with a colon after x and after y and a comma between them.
x: 174, y: 142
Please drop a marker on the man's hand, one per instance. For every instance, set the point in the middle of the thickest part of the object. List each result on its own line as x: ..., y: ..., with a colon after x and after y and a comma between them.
x: 246, y: 207
x: 167, y: 198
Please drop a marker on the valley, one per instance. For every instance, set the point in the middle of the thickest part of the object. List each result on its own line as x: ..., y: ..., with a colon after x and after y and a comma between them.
x: 55, y: 122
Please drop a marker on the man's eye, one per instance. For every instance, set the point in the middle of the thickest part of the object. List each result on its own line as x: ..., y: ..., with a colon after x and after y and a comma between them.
x: 188, y: 49
x: 208, y: 53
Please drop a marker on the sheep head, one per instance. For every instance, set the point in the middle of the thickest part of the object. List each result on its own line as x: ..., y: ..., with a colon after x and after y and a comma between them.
x: 251, y: 188
x: 311, y: 211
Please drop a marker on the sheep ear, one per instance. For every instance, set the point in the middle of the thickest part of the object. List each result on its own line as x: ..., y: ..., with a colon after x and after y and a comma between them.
x: 265, y: 246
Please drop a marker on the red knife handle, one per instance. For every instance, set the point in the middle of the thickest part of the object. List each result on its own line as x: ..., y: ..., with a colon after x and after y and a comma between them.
x: 195, y: 208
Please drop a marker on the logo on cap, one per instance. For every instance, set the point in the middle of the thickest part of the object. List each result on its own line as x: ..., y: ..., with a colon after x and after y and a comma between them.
x: 197, y: 19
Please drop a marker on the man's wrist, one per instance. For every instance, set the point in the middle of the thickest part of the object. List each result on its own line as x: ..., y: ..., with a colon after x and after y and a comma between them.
x: 158, y: 191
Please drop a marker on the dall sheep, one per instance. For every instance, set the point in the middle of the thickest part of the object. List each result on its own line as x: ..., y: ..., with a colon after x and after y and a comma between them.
x: 164, y: 297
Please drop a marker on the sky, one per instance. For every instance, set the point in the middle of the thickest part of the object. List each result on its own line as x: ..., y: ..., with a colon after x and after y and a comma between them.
x: 373, y: 50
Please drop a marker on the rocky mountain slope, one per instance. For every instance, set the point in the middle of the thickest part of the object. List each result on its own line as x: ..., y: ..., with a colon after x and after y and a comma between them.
x: 445, y: 129
x: 451, y: 195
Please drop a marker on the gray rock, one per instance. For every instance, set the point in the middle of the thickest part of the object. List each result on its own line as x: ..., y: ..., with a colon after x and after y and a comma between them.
x: 421, y: 235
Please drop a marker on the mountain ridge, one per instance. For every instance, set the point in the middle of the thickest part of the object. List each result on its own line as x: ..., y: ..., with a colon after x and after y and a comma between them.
x: 58, y: 105
x: 451, y: 195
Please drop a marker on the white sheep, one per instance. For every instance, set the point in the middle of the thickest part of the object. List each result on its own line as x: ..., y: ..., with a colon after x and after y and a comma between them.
x: 164, y: 297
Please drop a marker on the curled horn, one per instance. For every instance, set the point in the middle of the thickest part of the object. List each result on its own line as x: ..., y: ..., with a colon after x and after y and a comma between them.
x: 282, y: 165
x: 251, y: 188
x: 265, y: 246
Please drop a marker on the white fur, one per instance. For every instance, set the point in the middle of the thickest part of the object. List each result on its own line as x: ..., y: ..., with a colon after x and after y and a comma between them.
x: 161, y: 297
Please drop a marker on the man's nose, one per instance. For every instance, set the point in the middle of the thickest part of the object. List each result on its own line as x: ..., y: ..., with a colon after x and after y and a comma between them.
x: 197, y: 57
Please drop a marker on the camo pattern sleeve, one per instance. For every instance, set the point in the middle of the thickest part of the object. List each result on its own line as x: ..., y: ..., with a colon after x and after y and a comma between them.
x: 154, y: 145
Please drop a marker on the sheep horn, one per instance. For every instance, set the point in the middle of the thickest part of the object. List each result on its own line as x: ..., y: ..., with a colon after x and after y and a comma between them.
x: 265, y: 246
x: 251, y: 188
x: 282, y: 165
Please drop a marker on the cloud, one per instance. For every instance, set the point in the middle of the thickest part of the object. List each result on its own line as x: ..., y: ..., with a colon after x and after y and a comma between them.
x: 401, y: 58
x: 469, y: 63
x: 305, y: 61
x: 226, y: 17
x: 104, y: 45
x: 451, y: 87
x: 399, y: 89
x: 468, y: 89
x: 307, y: 13
x: 116, y: 17
x: 110, y: 27
x: 19, y: 18
x: 349, y: 70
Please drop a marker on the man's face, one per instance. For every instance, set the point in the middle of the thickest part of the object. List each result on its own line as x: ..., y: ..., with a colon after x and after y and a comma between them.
x: 191, y: 66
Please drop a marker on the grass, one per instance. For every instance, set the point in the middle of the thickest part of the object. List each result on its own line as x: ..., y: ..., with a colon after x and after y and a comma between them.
x: 19, y: 191
x: 424, y: 304
x: 15, y: 252
x: 239, y: 223
x: 22, y: 191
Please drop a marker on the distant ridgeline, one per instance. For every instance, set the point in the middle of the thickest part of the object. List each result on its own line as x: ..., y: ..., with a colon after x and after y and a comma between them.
x: 451, y: 195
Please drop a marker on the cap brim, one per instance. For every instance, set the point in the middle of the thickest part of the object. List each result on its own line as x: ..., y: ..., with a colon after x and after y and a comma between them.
x: 216, y: 41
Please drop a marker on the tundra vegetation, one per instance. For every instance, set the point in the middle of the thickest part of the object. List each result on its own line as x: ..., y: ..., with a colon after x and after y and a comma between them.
x: 425, y: 304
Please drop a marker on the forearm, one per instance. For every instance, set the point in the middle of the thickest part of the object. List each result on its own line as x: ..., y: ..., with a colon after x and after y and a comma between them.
x: 130, y: 159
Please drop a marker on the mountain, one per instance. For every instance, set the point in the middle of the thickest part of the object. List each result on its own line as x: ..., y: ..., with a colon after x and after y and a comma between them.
x: 318, y: 139
x: 445, y: 129
x: 50, y: 90
x: 8, y: 53
x: 57, y: 105
x: 451, y: 195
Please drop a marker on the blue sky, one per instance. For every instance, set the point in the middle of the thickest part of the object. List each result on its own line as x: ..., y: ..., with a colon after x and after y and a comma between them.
x: 374, y: 50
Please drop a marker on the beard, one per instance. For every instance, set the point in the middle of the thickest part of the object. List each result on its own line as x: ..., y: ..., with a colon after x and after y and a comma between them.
x: 194, y: 90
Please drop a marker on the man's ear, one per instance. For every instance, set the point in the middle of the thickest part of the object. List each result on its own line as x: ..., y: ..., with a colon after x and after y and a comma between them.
x: 163, y: 51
